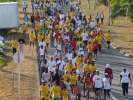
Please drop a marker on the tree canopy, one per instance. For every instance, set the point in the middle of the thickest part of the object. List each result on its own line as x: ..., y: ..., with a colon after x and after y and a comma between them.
x: 122, y: 8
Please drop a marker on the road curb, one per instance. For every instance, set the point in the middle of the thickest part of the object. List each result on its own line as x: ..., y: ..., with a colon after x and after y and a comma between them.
x: 122, y: 52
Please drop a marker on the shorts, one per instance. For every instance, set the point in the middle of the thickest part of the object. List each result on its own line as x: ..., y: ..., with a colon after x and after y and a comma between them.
x: 85, y: 42
x: 108, y: 42
x: 97, y: 89
x: 106, y: 90
x: 99, y: 46
x: 14, y: 50
x: 57, y: 98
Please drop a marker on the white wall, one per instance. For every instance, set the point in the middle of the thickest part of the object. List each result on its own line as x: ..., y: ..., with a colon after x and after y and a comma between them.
x: 9, y: 15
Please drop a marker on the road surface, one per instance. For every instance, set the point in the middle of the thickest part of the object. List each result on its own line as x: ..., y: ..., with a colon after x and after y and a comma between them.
x: 118, y: 61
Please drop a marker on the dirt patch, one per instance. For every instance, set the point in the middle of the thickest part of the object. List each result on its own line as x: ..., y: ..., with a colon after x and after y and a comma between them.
x: 29, y: 79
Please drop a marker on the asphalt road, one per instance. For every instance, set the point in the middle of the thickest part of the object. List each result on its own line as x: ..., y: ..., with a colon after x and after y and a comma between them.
x: 117, y: 61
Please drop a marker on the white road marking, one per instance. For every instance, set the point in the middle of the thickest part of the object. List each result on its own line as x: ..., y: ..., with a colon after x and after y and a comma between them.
x: 113, y: 97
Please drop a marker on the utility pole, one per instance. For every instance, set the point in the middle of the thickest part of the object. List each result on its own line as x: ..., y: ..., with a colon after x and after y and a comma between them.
x: 109, y: 6
x: 127, y: 10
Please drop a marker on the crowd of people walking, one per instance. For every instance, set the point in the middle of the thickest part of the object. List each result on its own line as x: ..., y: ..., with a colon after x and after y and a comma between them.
x: 70, y: 71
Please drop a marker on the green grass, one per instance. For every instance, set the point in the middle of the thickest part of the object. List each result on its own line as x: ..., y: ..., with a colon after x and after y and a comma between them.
x: 7, y: 0
x: 2, y: 62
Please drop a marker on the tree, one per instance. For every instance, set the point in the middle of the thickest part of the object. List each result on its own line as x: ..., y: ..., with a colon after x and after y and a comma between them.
x: 122, y: 8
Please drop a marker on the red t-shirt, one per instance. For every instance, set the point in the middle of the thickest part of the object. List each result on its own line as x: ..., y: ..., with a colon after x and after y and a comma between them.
x: 58, y: 36
x: 109, y: 71
x: 74, y: 44
x: 37, y: 18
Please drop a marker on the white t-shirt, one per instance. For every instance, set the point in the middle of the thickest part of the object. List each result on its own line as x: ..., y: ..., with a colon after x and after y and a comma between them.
x: 68, y: 86
x: 69, y: 56
x: 101, y: 15
x: 24, y: 4
x: 42, y: 44
x: 45, y: 77
x: 92, y: 24
x: 125, y: 77
x: 41, y: 51
x: 61, y: 66
x: 58, y: 62
x: 62, y: 17
x: 97, y: 79
x: 84, y: 36
x: 106, y: 83
x: 66, y: 37
x: 78, y: 22
x: 81, y: 51
x: 74, y: 60
x: 51, y: 63
x: 59, y: 47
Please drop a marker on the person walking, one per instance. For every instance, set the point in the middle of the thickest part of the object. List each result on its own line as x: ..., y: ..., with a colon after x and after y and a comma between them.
x: 98, y: 84
x: 97, y: 18
x: 26, y: 19
x: 14, y: 46
x: 109, y: 71
x: 102, y: 17
x: 32, y: 19
x: 108, y: 37
x: 125, y: 78
x: 106, y: 86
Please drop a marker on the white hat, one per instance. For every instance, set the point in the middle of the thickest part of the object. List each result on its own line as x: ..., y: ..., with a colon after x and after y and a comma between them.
x: 107, y: 65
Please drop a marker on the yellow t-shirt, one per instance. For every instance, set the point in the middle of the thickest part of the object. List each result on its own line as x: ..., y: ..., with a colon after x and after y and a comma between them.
x: 32, y: 36
x: 89, y: 48
x: 47, y: 38
x: 64, y: 95
x: 78, y: 62
x: 37, y: 26
x: 45, y: 92
x: 87, y: 68
x: 67, y: 67
x: 65, y: 77
x: 55, y: 91
x: 47, y: 23
x: 99, y: 39
x: 57, y: 27
x: 108, y: 36
x: 72, y: 66
x: 92, y: 68
x: 40, y: 37
x: 14, y: 44
x: 73, y: 79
